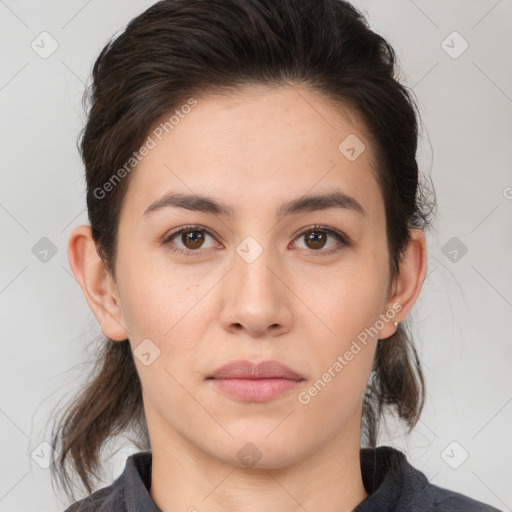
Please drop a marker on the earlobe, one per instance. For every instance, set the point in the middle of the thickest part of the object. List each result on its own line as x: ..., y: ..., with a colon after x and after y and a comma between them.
x: 409, y: 281
x: 96, y: 283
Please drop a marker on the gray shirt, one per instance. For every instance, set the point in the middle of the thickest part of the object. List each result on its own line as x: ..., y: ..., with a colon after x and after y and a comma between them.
x: 391, y: 482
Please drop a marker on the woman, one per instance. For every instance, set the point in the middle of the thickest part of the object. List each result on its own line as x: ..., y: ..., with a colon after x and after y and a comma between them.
x: 256, y: 243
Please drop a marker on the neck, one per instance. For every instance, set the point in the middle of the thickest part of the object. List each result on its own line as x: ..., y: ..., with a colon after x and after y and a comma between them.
x: 186, y: 478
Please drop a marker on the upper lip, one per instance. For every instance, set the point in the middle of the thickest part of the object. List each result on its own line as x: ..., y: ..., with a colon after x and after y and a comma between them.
x: 242, y: 369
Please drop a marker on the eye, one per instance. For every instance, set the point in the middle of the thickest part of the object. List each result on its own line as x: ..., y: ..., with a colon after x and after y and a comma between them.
x: 316, y: 236
x: 192, y: 238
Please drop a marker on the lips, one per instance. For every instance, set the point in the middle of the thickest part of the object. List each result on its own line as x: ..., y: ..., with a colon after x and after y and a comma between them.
x: 249, y: 382
x: 247, y: 370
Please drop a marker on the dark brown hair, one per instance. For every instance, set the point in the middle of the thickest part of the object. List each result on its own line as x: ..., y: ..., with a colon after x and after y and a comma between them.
x: 178, y: 49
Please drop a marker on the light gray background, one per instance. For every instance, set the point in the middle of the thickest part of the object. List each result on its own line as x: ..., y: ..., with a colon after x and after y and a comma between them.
x: 463, y: 317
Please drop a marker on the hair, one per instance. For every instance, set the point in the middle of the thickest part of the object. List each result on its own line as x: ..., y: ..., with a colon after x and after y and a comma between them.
x: 178, y: 49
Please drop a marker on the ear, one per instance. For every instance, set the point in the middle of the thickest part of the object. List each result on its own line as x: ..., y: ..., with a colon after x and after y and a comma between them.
x: 409, y: 281
x: 97, y: 284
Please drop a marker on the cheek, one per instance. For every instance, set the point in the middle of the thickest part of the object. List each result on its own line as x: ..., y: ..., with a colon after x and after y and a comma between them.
x: 348, y: 304
x: 346, y: 351
x: 348, y: 299
x: 344, y: 355
x: 171, y: 309
x: 334, y: 397
x: 153, y: 296
x: 145, y: 307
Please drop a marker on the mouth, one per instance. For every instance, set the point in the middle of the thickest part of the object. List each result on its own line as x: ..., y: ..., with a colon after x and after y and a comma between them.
x: 255, y: 382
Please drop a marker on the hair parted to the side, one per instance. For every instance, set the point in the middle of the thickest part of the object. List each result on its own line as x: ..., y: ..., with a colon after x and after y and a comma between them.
x: 178, y: 49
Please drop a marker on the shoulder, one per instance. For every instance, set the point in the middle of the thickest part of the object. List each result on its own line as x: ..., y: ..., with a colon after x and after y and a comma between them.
x: 395, y: 485
x: 445, y: 500
x: 110, y: 498
x: 106, y: 499
x: 130, y: 491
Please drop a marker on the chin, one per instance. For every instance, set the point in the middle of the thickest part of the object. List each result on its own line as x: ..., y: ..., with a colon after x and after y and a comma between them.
x: 254, y: 450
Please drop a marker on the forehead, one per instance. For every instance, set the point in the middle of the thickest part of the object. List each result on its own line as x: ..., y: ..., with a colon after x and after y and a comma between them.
x: 254, y: 146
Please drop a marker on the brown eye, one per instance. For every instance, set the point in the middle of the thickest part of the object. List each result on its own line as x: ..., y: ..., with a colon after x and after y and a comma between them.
x: 315, y: 239
x: 188, y: 240
x: 192, y: 239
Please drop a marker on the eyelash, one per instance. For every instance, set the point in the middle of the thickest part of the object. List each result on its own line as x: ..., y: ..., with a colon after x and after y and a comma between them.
x: 324, y: 229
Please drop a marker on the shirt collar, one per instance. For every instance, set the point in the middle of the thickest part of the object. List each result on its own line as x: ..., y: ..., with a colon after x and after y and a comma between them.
x: 391, y: 482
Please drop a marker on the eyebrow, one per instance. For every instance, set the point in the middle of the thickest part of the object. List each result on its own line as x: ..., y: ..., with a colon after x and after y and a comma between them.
x: 308, y: 203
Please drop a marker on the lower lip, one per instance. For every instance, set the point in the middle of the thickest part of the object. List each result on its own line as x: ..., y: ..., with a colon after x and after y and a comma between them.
x: 256, y: 390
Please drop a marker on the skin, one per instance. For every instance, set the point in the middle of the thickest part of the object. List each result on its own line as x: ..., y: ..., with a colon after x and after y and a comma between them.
x: 252, y: 150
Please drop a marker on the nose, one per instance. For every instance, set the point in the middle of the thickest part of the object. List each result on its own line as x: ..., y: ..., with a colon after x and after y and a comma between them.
x: 256, y: 297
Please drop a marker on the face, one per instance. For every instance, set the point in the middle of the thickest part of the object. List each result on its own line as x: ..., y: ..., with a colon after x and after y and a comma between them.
x: 258, y: 281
